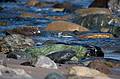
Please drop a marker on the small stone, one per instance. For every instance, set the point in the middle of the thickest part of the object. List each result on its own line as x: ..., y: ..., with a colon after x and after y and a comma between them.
x: 45, y: 62
x: 55, y: 76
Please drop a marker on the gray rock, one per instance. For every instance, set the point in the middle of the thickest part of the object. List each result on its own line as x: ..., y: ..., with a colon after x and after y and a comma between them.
x: 55, y: 76
x: 16, y: 42
x: 10, y: 73
x: 45, y: 62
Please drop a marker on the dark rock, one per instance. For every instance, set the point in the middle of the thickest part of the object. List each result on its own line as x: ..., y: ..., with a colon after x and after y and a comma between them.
x: 8, y: 1
x: 62, y: 56
x: 55, y: 76
x: 94, y: 51
x: 27, y: 31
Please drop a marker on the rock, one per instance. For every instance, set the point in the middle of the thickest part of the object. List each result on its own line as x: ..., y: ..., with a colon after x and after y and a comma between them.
x: 45, y: 62
x: 55, y: 76
x: 89, y: 11
x: 16, y: 42
x: 27, y: 31
x: 116, y: 32
x: 19, y: 55
x: 114, y: 5
x: 104, y: 65
x: 96, y: 35
x: 86, y: 72
x: 95, y: 22
x: 29, y: 15
x: 100, y: 3
x: 49, y: 49
x: 41, y: 4
x: 94, y: 51
x: 62, y: 56
x: 3, y: 23
x: 11, y: 73
x: 65, y: 26
x: 32, y: 2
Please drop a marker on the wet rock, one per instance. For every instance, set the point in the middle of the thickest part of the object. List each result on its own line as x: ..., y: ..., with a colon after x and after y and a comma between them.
x: 86, y: 72
x: 29, y: 15
x: 114, y: 5
x: 41, y: 4
x: 67, y: 6
x: 16, y: 42
x: 45, y: 62
x: 11, y: 73
x: 32, y: 2
x: 3, y: 23
x: 65, y: 26
x: 96, y: 35
x: 94, y: 51
x: 95, y: 22
x: 116, y: 31
x: 62, y: 56
x: 27, y: 31
x: 55, y: 76
x: 49, y: 49
x: 89, y: 11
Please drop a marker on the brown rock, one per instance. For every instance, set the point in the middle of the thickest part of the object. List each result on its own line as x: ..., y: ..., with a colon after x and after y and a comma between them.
x: 88, y: 11
x: 32, y: 2
x: 86, y: 72
x: 100, y: 66
x: 27, y: 31
x: 65, y: 26
x: 29, y: 15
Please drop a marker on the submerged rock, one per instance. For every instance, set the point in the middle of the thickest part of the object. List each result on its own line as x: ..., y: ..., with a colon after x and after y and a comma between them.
x: 96, y: 35
x: 27, y: 31
x: 65, y: 26
x: 11, y: 73
x: 45, y: 62
x: 86, y: 72
x: 32, y: 2
x: 62, y: 56
x: 55, y: 76
x: 89, y: 11
x: 16, y: 42
x: 29, y: 15
x: 3, y: 23
x: 114, y: 5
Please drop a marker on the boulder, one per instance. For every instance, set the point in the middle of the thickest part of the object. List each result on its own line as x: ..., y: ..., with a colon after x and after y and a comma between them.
x: 45, y: 62
x: 65, y: 26
x: 86, y: 72
x: 11, y: 73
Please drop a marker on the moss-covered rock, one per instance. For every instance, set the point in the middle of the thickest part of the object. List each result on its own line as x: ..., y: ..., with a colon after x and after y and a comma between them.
x: 48, y: 49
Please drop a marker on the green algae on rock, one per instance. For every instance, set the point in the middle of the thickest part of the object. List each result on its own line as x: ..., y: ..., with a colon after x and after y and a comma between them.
x: 48, y: 49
